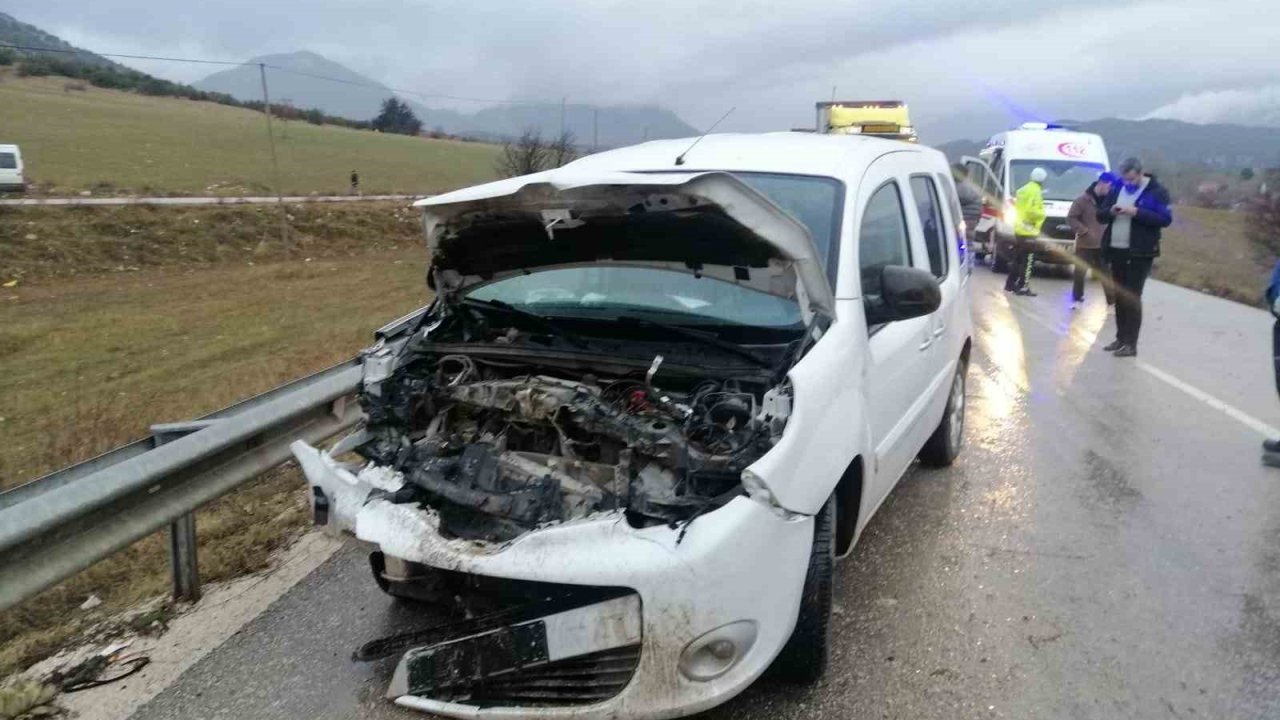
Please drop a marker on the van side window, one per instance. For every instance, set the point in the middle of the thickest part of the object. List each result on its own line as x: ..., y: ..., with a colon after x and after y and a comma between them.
x: 925, y: 194
x: 8, y: 161
x: 957, y: 218
x: 882, y: 238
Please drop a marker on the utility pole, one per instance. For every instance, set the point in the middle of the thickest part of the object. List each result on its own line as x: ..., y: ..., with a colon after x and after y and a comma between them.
x: 563, y: 102
x: 595, y: 130
x: 275, y: 163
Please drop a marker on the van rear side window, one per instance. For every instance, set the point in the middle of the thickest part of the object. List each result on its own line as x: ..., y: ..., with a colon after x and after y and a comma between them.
x: 8, y: 161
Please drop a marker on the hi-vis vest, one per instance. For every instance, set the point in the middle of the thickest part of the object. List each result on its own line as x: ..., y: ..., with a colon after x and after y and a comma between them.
x: 1029, y: 207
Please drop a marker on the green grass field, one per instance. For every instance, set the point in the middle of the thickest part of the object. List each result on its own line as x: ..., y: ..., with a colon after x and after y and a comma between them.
x: 113, y: 142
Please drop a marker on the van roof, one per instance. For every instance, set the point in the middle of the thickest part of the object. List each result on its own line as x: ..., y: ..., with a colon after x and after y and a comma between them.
x: 1050, y: 144
x: 840, y: 156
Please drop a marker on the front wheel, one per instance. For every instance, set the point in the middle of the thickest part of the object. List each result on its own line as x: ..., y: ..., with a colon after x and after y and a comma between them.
x: 943, y: 447
x: 804, y: 658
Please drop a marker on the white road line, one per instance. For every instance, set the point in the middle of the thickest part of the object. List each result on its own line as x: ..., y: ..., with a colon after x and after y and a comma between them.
x: 1265, y: 429
x: 1213, y: 402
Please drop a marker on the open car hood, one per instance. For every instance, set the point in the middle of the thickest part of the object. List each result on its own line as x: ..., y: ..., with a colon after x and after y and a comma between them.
x: 708, y: 224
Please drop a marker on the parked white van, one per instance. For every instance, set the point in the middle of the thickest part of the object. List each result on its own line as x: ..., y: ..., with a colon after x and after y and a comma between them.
x: 1072, y: 161
x: 660, y: 390
x: 11, y: 177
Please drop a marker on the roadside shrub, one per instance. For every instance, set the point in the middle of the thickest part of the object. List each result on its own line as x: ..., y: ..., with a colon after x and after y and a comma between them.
x: 34, y: 67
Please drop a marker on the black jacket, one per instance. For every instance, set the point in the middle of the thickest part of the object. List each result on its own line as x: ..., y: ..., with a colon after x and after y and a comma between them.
x: 1154, y: 214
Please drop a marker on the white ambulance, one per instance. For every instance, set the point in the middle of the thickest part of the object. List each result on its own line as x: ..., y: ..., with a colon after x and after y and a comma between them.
x: 1072, y: 161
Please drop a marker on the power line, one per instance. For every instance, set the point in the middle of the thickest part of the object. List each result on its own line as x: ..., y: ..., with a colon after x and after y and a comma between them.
x: 423, y: 95
x: 280, y: 68
x: 118, y: 55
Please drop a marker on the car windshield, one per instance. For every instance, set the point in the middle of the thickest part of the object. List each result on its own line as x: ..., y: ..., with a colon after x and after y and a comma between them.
x: 8, y: 161
x: 677, y: 297
x: 668, y: 296
x: 1067, y: 179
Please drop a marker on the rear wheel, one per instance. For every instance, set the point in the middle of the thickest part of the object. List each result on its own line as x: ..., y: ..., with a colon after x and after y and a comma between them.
x: 804, y: 658
x: 943, y: 447
x: 999, y: 261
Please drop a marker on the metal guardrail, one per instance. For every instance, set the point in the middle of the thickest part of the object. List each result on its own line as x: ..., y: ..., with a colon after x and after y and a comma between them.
x: 57, y: 525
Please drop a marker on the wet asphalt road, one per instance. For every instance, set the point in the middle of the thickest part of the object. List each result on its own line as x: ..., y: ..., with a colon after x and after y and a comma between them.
x: 1108, y: 546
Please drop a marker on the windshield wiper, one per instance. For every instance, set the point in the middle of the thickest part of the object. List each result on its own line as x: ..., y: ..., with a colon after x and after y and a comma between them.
x: 545, y: 323
x: 701, y: 337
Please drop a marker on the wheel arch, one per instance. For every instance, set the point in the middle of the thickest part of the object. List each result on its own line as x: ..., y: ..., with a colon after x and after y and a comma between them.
x: 849, y: 492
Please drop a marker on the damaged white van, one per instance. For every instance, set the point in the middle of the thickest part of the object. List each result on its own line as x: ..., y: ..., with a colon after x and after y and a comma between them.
x: 659, y: 391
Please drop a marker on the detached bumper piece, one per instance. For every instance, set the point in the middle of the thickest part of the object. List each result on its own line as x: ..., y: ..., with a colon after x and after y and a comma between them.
x: 577, y: 656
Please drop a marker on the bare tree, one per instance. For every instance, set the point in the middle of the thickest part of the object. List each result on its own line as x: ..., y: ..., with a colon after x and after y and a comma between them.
x: 530, y: 153
x: 562, y: 150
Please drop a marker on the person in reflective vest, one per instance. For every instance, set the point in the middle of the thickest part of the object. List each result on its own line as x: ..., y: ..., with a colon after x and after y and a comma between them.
x: 1029, y: 209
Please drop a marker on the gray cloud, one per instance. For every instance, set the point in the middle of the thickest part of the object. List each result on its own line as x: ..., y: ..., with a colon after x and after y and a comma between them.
x: 1219, y: 106
x: 966, y: 66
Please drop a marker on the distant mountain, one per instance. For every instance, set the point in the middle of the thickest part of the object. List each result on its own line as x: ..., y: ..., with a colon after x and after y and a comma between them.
x: 359, y: 97
x: 1172, y: 143
x: 15, y: 32
x: 957, y: 149
x: 348, y: 94
x: 611, y: 126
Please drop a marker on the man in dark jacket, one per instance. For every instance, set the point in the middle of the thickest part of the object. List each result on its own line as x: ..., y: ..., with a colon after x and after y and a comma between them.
x: 1135, y: 212
x: 1083, y: 218
x: 1271, y: 448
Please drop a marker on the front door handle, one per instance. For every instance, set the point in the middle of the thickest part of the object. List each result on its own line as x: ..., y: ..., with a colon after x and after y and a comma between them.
x: 937, y: 332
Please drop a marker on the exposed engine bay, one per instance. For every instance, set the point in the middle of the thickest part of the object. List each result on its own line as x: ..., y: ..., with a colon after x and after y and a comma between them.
x: 498, y: 447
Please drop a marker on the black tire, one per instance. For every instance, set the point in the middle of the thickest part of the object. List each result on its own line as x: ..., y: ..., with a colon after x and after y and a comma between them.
x: 943, y: 447
x: 429, y: 590
x: 803, y: 659
x: 993, y: 255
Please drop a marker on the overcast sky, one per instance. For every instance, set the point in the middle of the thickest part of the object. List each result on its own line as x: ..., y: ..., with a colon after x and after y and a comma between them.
x: 967, y: 67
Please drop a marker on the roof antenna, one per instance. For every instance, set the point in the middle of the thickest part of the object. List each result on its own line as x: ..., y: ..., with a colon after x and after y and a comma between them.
x: 680, y: 157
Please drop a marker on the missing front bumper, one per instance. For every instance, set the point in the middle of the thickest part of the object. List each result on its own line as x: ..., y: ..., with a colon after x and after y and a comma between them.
x: 574, y: 657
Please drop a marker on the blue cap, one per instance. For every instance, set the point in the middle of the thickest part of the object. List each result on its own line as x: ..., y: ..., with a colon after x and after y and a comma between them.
x: 1109, y: 177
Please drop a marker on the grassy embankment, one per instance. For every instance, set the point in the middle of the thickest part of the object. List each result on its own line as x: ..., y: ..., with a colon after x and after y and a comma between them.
x: 127, y: 316
x: 113, y: 142
x: 1207, y: 250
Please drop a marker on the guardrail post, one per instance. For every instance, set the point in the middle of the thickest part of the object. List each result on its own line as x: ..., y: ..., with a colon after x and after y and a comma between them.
x: 182, y: 558
x: 184, y: 564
